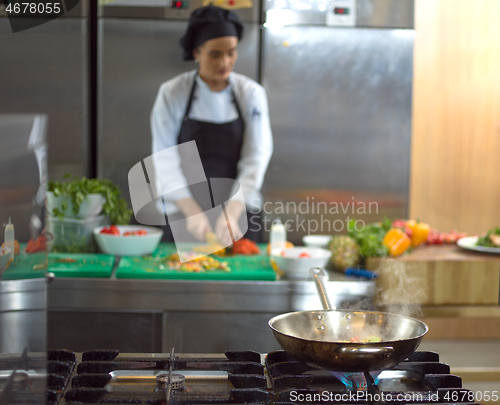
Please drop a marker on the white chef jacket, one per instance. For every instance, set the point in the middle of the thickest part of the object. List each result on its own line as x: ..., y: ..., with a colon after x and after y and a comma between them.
x: 217, y: 107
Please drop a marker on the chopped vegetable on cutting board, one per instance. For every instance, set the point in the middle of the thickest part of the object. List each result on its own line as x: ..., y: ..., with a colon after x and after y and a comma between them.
x: 195, y: 263
x: 241, y: 266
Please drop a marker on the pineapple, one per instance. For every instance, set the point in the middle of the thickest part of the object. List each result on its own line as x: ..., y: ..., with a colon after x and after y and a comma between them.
x: 345, y: 252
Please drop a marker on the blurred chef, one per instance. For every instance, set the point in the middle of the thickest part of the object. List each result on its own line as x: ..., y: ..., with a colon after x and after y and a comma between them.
x: 226, y: 114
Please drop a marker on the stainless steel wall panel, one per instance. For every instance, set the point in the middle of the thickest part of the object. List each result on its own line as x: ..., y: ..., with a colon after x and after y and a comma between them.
x: 385, y: 13
x: 340, y: 105
x: 160, y: 9
x: 369, y: 13
x: 136, y: 57
x: 44, y: 70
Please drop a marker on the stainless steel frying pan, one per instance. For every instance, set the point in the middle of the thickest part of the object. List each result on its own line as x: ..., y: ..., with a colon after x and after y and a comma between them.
x: 323, y: 338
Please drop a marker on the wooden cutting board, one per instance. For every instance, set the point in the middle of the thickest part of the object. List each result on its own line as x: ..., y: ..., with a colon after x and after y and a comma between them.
x: 438, y: 275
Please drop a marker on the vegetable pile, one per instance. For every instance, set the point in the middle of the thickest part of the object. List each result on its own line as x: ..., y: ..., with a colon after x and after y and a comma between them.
x: 37, y: 245
x: 245, y: 246
x: 387, y: 238
x: 196, y: 264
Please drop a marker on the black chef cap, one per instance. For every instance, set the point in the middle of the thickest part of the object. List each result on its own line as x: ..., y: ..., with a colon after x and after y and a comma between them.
x: 207, y: 23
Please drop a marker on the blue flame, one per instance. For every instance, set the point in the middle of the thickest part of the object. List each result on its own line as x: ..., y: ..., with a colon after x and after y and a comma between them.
x: 355, y: 381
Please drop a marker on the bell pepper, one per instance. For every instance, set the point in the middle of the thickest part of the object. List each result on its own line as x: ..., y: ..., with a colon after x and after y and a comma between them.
x: 419, y: 232
x: 396, y: 241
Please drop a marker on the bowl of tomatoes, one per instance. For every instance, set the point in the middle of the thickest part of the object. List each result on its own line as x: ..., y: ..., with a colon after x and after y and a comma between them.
x: 297, y: 261
x: 127, y: 240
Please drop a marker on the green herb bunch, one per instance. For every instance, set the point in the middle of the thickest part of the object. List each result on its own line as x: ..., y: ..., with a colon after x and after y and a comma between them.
x: 370, y: 237
x: 115, y: 206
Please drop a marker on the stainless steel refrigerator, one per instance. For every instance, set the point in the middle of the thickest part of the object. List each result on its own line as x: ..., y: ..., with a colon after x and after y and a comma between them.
x: 338, y: 76
x: 44, y: 70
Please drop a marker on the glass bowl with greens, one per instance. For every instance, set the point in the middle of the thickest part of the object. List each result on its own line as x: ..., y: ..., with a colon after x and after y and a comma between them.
x: 86, y: 198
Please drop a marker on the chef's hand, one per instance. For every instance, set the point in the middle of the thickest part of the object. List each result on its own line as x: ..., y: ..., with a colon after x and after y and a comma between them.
x: 233, y: 209
x: 198, y: 226
x: 197, y: 222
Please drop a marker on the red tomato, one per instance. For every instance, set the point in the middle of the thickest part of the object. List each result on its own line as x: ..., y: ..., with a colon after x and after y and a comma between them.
x: 304, y: 254
x: 141, y: 232
x: 112, y: 230
x: 399, y: 223
x: 128, y: 233
x: 450, y: 237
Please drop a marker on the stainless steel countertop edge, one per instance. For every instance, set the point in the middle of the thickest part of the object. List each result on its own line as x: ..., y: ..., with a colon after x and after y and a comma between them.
x: 199, y: 296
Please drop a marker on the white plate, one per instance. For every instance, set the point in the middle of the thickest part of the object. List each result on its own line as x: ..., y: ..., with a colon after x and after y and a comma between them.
x: 470, y: 243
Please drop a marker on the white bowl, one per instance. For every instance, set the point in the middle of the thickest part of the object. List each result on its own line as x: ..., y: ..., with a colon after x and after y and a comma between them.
x: 121, y: 245
x: 294, y: 266
x: 4, y: 257
x: 320, y: 241
x: 90, y: 207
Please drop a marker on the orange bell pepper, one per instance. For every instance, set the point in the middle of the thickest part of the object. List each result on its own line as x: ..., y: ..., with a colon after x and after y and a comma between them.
x: 397, y: 241
x: 419, y: 232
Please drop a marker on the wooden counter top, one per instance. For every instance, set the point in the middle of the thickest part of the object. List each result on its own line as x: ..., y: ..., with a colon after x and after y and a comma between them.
x: 449, y: 252
x: 438, y: 275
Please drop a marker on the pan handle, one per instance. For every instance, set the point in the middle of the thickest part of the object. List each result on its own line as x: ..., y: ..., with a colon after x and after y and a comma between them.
x: 385, y: 352
x: 320, y: 278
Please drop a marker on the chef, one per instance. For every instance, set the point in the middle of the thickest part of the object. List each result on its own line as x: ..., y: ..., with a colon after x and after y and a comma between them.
x: 226, y: 114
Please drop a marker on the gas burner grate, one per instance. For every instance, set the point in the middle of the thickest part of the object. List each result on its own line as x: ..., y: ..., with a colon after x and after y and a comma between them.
x: 110, y: 377
x: 419, y: 379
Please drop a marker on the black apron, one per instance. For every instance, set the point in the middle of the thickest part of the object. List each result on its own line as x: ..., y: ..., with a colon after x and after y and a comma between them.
x: 219, y: 146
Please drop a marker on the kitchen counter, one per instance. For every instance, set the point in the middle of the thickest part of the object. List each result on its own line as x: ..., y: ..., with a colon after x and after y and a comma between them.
x: 439, y: 275
x: 155, y: 315
x: 207, y: 295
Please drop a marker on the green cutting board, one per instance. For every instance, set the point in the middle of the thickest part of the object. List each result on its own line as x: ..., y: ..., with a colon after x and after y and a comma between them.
x: 81, y: 264
x: 26, y: 266
x: 32, y: 265
x: 243, y: 267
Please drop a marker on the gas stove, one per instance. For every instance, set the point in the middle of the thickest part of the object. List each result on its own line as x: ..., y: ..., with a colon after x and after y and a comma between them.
x: 240, y: 377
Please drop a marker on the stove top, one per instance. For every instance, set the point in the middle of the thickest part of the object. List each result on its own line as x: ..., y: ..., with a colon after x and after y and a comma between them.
x: 240, y: 377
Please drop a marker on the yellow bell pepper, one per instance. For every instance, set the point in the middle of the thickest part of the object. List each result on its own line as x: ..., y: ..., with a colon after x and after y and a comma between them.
x: 419, y: 232
x: 397, y: 241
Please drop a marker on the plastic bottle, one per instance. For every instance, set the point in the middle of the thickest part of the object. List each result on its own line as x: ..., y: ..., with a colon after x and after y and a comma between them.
x: 277, y: 238
x: 9, y: 240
